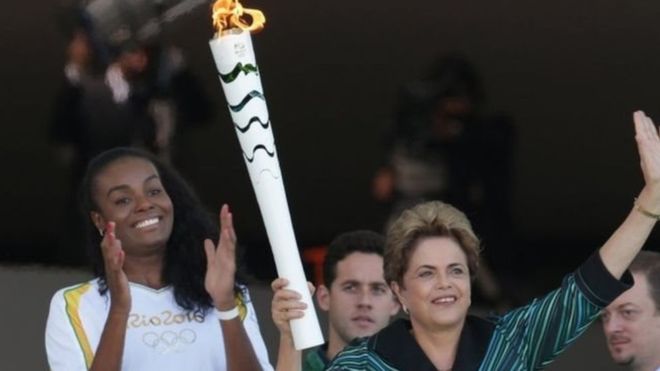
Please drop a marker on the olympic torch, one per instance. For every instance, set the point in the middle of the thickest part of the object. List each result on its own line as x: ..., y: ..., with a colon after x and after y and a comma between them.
x: 239, y: 75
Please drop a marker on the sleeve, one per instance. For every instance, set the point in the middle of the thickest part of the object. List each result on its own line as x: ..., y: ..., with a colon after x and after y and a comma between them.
x: 62, y: 348
x: 540, y: 331
x: 251, y: 325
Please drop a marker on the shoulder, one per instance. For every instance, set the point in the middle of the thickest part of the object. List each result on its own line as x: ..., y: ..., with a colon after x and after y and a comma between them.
x: 69, y: 302
x: 75, y: 292
x: 355, y: 356
x: 314, y: 359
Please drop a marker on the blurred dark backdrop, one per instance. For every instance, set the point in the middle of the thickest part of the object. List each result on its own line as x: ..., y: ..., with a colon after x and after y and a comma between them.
x: 570, y: 74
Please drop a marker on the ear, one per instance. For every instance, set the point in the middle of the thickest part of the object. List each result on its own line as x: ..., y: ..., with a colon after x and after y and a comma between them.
x: 98, y: 220
x: 323, y: 297
x: 396, y: 289
x: 396, y: 305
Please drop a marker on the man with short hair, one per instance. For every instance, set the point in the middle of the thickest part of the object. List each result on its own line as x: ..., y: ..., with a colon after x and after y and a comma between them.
x: 632, y: 322
x: 358, y: 300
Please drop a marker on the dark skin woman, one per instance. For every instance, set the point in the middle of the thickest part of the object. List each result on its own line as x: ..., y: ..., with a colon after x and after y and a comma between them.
x: 148, y: 230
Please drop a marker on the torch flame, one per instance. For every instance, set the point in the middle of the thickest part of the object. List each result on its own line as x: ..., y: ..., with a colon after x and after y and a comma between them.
x: 227, y: 14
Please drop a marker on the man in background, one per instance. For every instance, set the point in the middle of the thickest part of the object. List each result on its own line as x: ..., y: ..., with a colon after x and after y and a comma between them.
x: 632, y: 322
x: 354, y: 294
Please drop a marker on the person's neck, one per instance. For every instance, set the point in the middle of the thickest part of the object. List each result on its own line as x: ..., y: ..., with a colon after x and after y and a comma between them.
x: 439, y: 344
x: 145, y: 270
x: 335, y: 343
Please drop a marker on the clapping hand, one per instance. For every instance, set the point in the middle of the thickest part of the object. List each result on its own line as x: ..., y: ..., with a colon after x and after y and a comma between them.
x: 113, y: 260
x: 221, y: 263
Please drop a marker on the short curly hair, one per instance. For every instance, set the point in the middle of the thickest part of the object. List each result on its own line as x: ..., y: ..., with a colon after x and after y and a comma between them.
x: 429, y: 219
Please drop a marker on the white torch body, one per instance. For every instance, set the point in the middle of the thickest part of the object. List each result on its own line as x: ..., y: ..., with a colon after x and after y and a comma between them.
x: 241, y: 83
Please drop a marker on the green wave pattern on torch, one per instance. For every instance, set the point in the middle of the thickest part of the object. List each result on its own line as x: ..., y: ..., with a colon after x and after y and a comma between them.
x: 240, y: 67
x: 254, y: 119
x: 248, y: 97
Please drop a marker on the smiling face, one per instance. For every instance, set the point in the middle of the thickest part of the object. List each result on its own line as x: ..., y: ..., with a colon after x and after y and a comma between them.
x: 632, y: 327
x: 359, y: 302
x: 129, y: 192
x: 436, y: 285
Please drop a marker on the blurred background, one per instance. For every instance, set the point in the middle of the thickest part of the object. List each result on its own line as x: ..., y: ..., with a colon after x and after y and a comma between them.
x: 543, y: 117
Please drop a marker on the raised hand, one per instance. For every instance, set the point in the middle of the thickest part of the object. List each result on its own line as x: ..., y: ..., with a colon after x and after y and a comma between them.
x: 221, y: 263
x: 113, y: 260
x: 648, y: 145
